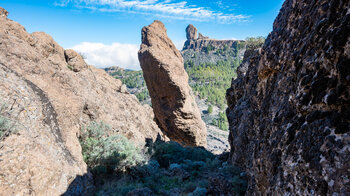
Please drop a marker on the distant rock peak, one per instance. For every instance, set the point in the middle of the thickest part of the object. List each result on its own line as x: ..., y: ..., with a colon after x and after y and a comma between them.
x: 200, y: 42
x: 191, y: 32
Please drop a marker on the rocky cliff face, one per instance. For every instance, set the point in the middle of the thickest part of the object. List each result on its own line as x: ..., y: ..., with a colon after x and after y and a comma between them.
x: 289, y: 108
x: 53, y: 94
x: 206, y: 50
x: 174, y: 106
x: 202, y: 41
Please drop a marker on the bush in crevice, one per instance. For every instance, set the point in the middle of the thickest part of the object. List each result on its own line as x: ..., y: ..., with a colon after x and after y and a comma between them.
x: 167, y: 153
x: 104, y: 153
x: 7, y: 126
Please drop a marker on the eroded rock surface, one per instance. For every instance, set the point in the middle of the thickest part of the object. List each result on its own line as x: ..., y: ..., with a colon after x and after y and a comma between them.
x: 34, y: 158
x: 289, y: 108
x: 167, y: 81
x: 59, y: 94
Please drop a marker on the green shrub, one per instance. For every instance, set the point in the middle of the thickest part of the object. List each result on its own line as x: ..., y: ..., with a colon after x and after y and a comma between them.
x: 255, y: 42
x: 167, y: 153
x: 210, y: 109
x: 194, y: 167
x: 70, y: 67
x: 7, y: 126
x: 104, y: 153
x: 208, y: 49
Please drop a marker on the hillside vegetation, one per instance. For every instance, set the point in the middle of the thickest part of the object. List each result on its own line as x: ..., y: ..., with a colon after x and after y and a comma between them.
x: 159, y: 168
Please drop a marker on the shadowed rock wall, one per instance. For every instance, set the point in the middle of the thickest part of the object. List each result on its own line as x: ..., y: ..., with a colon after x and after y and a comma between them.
x: 289, y: 108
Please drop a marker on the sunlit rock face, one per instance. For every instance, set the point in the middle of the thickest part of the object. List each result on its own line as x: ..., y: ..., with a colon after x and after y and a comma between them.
x: 173, y: 103
x: 51, y: 94
x: 289, y: 108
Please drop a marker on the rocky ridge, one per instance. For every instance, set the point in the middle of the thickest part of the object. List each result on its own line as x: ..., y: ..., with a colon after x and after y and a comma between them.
x: 174, y: 106
x: 202, y: 41
x: 289, y: 106
x: 53, y: 94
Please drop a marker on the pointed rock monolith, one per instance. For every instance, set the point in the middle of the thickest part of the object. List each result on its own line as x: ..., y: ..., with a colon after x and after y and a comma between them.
x: 174, y: 105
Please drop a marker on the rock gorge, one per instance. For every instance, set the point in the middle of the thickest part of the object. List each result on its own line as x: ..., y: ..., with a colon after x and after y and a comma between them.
x: 173, y: 102
x: 289, y: 108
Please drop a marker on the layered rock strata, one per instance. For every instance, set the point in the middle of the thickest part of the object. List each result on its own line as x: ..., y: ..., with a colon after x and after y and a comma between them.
x: 289, y: 108
x: 173, y: 104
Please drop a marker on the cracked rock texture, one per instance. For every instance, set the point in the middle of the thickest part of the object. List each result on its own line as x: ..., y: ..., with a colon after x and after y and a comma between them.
x: 289, y: 108
x: 55, y: 94
x: 173, y: 103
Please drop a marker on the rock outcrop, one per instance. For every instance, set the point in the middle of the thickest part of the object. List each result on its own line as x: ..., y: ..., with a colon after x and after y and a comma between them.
x: 191, y: 32
x: 289, y: 108
x: 200, y: 43
x: 34, y: 158
x: 173, y: 104
x: 52, y: 95
x: 3, y: 12
x: 75, y: 61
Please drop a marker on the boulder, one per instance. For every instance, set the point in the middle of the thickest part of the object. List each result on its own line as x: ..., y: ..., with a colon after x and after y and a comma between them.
x: 289, y: 108
x: 75, y: 61
x: 173, y: 103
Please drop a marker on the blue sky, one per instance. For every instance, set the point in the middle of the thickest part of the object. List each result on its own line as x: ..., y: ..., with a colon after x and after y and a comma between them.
x: 108, y: 32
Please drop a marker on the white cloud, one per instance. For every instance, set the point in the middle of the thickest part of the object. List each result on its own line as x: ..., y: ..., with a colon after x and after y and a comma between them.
x: 161, y: 8
x: 116, y: 54
x: 180, y: 44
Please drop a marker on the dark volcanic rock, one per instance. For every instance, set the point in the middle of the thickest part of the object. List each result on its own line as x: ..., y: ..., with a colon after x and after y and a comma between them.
x: 174, y: 106
x: 289, y: 108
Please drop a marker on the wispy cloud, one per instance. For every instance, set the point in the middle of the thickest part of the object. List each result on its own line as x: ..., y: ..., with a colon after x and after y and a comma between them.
x: 116, y: 54
x: 162, y: 8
